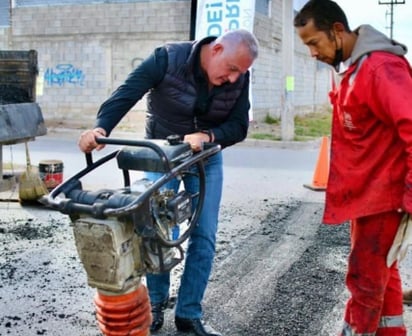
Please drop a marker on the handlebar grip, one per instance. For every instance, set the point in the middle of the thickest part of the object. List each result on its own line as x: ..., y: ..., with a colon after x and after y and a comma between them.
x: 89, y: 160
x: 69, y: 207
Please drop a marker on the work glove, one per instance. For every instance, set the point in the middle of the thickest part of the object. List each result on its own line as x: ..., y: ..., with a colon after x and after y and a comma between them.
x: 402, y: 240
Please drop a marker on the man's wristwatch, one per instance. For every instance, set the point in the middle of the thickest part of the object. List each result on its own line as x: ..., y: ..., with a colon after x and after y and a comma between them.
x: 209, y: 133
x: 100, y: 130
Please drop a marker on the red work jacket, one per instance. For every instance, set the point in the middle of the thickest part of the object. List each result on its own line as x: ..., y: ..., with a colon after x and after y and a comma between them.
x: 371, y: 142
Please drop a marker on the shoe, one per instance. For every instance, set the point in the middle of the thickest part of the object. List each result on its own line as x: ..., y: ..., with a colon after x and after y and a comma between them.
x: 407, y: 297
x: 158, y: 315
x: 196, y: 326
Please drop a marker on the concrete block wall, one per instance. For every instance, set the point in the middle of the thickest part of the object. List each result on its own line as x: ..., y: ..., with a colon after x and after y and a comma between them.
x: 266, y: 72
x: 313, y: 80
x: 311, y: 84
x: 87, y: 50
x: 307, y: 95
x: 4, y: 38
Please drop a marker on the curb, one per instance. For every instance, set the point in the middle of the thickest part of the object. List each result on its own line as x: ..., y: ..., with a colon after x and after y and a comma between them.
x: 248, y: 142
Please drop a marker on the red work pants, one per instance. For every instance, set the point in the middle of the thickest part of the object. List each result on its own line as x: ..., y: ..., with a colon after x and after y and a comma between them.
x: 375, y: 306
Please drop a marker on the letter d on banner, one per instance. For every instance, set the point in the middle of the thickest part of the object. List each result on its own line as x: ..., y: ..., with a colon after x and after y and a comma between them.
x: 214, y: 18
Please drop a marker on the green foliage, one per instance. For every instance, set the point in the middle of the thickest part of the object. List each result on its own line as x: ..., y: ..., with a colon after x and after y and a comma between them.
x: 307, y: 127
x: 265, y: 136
x: 313, y: 125
x: 271, y: 121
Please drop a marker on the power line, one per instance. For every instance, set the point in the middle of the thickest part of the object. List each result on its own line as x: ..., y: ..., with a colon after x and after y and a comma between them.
x: 391, y: 3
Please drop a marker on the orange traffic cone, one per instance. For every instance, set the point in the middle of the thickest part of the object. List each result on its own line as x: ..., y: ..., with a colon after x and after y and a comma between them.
x: 320, y: 177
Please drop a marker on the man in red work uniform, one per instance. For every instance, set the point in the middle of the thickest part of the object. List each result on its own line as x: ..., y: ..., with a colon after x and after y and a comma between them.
x: 370, y: 179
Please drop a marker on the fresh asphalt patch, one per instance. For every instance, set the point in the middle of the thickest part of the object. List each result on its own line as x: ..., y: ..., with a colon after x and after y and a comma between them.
x: 280, y: 274
x: 283, y: 276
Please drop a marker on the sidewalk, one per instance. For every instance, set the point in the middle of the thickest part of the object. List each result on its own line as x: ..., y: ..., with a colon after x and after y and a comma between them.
x: 136, y: 131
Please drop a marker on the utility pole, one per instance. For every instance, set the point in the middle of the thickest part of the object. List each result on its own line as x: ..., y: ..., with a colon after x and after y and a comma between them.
x: 391, y: 3
x: 287, y: 114
x: 193, y: 13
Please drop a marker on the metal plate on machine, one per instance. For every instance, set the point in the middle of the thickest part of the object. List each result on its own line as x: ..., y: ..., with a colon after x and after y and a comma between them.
x: 19, y: 122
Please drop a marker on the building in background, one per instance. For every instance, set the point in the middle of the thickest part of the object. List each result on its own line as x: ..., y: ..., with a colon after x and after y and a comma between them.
x: 86, y: 48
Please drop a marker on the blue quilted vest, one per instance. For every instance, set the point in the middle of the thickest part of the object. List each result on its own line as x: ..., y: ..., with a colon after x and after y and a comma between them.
x: 171, y: 103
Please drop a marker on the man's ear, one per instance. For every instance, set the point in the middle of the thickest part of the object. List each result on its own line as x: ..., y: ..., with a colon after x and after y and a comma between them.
x: 217, y: 48
x: 338, y: 28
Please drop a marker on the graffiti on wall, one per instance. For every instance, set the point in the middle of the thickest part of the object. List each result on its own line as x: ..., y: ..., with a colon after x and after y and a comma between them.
x: 63, y: 74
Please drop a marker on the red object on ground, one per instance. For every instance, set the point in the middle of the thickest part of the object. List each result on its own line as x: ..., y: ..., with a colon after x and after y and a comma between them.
x: 51, y: 172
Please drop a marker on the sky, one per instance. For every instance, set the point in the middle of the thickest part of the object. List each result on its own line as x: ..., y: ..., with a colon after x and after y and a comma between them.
x: 371, y: 12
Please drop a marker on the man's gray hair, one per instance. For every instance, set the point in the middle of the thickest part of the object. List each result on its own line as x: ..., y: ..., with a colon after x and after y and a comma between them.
x: 241, y: 36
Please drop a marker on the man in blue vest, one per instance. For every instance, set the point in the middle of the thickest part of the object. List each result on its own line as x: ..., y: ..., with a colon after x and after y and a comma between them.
x: 200, y: 91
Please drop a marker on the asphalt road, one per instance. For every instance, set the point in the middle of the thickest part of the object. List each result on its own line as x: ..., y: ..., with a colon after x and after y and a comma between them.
x: 278, y: 270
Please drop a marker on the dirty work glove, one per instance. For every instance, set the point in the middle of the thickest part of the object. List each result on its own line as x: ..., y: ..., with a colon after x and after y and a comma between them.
x: 401, y: 241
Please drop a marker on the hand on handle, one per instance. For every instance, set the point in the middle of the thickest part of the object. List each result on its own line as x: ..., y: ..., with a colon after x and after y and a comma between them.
x: 87, y: 141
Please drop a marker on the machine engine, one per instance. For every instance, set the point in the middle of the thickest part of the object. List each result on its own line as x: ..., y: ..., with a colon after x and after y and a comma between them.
x: 123, y: 233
